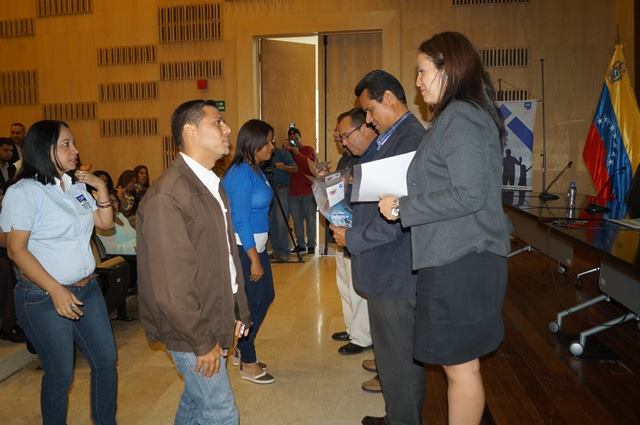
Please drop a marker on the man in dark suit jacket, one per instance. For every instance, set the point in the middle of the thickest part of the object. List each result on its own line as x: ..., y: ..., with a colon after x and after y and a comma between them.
x: 381, y: 257
x: 7, y: 169
x: 190, y: 287
x: 17, y: 132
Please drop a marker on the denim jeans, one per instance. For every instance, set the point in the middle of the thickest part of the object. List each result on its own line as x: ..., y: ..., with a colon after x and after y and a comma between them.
x: 204, y: 401
x: 278, y: 225
x: 303, y: 210
x: 53, y: 337
x: 260, y: 295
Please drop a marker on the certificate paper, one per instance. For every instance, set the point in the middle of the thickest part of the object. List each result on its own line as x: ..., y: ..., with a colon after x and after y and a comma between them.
x: 386, y: 176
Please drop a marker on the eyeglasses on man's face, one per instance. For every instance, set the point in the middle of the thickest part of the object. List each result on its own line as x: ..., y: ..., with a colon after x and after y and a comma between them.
x: 345, y: 136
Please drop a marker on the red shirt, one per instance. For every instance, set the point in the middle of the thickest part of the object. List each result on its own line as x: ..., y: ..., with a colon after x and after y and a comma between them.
x: 300, y: 185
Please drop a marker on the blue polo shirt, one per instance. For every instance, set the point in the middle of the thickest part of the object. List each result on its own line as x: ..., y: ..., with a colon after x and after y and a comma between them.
x: 60, y: 223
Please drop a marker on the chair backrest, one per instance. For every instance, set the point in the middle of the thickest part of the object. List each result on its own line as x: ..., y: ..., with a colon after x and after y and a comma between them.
x: 99, y: 251
x: 633, y: 196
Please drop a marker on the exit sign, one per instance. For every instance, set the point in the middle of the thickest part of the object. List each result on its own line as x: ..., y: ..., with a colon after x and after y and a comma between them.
x: 220, y: 105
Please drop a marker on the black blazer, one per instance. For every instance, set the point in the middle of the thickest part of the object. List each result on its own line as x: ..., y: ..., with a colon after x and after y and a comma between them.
x: 381, y: 250
x: 4, y: 183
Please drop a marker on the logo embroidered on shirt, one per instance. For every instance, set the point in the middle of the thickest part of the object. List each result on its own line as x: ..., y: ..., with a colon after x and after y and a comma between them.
x: 83, y: 201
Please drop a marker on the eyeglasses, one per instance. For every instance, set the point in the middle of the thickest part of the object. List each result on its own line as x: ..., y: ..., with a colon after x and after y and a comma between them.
x: 345, y: 136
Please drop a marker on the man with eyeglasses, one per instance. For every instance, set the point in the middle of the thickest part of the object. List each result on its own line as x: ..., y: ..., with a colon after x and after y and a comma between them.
x: 381, y: 256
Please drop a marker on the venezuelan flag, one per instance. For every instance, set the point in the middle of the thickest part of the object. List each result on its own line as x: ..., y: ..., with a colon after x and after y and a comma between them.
x: 612, y: 150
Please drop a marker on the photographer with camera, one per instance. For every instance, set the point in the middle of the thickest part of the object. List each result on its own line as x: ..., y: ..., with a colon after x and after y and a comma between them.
x: 301, y: 202
x: 278, y: 170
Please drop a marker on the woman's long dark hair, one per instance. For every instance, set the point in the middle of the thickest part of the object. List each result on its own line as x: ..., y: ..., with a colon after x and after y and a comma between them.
x: 466, y: 79
x: 40, y: 142
x: 137, y: 169
x: 252, y: 137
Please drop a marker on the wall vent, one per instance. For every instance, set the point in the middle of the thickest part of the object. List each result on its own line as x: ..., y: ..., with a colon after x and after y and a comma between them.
x: 69, y: 111
x: 125, y: 127
x: 169, y: 151
x: 127, y: 55
x: 191, y: 70
x: 193, y: 22
x: 505, y: 58
x: 512, y: 95
x: 18, y: 28
x: 128, y: 91
x: 63, y: 7
x: 486, y: 2
x: 19, y: 87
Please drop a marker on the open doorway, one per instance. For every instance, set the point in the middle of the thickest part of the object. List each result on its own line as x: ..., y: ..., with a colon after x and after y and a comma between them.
x: 309, y: 81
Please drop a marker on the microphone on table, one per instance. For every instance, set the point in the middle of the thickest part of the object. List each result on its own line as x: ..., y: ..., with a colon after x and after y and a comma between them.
x: 545, y: 195
x: 594, y: 208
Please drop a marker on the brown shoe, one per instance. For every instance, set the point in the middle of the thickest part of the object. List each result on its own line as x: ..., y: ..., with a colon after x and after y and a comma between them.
x: 370, y: 365
x: 372, y: 385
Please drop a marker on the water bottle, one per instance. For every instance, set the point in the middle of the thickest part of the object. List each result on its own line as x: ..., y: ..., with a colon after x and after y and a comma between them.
x: 571, y: 195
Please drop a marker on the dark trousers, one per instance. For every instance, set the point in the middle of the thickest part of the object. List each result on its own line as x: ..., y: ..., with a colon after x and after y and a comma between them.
x: 260, y: 295
x: 402, y: 380
x: 7, y: 306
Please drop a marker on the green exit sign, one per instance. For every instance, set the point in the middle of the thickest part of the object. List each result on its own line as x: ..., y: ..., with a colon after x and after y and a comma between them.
x: 220, y: 105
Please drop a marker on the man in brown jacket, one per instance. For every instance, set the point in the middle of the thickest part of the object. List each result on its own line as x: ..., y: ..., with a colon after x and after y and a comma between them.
x: 190, y: 287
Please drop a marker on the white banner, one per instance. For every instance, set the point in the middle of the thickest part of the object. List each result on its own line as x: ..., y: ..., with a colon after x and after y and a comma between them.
x: 517, y: 156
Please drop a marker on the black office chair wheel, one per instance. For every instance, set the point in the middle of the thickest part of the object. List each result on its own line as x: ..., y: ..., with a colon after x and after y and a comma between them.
x: 576, y: 348
x: 554, y: 327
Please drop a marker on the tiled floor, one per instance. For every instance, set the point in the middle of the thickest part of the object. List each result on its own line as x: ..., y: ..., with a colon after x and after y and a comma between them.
x: 314, y: 384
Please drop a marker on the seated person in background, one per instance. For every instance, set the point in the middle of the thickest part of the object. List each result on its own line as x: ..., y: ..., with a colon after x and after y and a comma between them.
x: 121, y: 240
x: 125, y: 190
x: 7, y: 169
x: 106, y: 177
x: 9, y: 329
x: 142, y: 183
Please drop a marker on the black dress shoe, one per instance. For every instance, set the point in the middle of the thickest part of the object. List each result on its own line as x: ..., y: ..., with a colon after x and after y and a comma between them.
x: 341, y: 336
x: 351, y: 348
x: 373, y: 420
x: 14, y: 334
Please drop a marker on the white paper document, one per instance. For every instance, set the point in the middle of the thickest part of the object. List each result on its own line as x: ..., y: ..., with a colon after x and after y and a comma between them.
x: 386, y: 176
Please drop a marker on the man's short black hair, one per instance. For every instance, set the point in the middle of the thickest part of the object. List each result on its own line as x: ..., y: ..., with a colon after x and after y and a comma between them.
x: 358, y: 116
x: 6, y: 141
x: 190, y: 112
x: 376, y: 82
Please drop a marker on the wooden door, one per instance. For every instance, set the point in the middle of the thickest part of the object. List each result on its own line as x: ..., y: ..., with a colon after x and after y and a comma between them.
x: 288, y: 87
x: 348, y: 58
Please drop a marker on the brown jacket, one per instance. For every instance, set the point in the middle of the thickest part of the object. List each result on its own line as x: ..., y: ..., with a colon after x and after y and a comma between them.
x: 184, y: 290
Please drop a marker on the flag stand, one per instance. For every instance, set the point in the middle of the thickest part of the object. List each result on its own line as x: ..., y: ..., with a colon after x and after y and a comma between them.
x: 544, y: 128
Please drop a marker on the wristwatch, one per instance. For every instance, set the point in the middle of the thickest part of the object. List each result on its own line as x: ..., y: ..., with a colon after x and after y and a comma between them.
x: 395, y: 208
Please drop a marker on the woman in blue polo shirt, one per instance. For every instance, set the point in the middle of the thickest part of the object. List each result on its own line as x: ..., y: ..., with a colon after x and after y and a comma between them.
x: 250, y: 198
x: 48, y: 218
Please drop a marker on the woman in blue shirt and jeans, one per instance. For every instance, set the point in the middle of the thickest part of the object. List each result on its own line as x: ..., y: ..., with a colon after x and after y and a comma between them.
x: 48, y: 219
x: 250, y: 198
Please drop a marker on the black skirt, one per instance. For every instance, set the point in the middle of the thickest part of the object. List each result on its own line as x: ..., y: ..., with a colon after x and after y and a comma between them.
x: 459, y: 309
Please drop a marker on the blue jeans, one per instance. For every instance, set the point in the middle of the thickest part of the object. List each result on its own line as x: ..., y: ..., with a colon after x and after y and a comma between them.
x: 260, y: 295
x: 278, y: 225
x: 204, y: 401
x: 53, y: 337
x: 303, y: 210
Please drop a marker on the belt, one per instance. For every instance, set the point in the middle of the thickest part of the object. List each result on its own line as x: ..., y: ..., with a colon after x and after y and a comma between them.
x: 79, y: 284
x: 84, y: 281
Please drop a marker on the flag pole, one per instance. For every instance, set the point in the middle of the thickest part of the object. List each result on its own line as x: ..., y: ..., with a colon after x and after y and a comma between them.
x: 544, y: 126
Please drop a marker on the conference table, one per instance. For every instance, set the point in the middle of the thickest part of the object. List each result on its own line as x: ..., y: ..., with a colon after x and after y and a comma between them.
x: 555, y: 230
